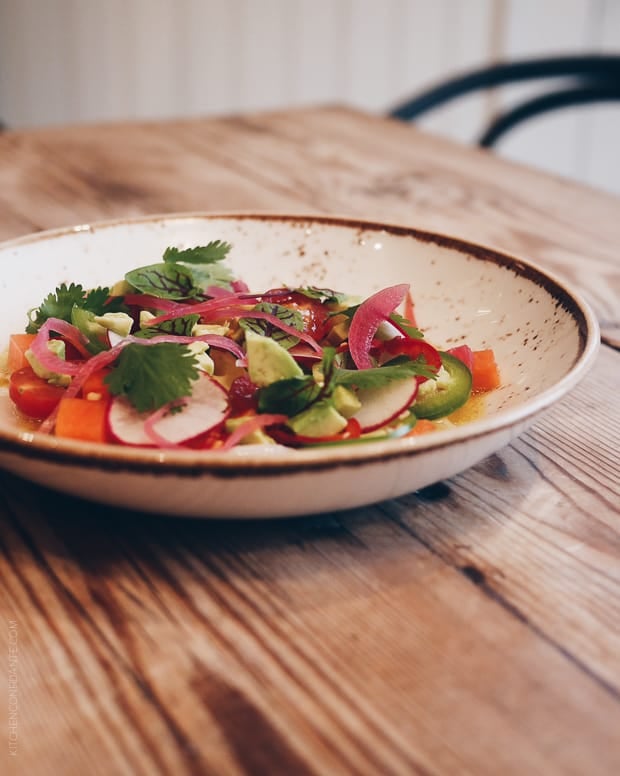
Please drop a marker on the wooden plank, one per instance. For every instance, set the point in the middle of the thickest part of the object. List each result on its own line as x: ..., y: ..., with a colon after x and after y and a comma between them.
x: 419, y: 180
x: 468, y: 628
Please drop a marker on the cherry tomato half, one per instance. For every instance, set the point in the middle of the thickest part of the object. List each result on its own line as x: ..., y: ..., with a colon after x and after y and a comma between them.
x: 315, y: 315
x: 32, y: 395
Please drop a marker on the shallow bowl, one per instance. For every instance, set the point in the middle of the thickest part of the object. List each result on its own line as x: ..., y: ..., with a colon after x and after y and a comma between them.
x: 544, y: 336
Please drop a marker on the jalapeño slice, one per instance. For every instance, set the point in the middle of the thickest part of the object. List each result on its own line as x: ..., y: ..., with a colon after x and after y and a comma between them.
x: 445, y: 398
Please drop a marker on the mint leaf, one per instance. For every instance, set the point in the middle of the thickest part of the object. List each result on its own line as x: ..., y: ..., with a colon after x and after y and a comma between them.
x: 153, y: 375
x: 181, y: 327
x: 214, y: 251
x: 166, y: 281
x: 288, y: 396
x: 287, y: 315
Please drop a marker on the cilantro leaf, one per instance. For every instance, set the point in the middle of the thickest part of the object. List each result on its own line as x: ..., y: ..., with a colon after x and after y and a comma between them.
x: 154, y: 375
x: 287, y: 315
x: 166, y: 281
x: 406, y: 326
x: 95, y: 300
x: 289, y: 396
x: 396, y: 369
x: 56, y: 305
x: 182, y: 327
x: 61, y: 303
x: 214, y: 251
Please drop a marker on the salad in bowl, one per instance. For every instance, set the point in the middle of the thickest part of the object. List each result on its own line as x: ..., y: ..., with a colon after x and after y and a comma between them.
x: 180, y: 353
x: 264, y: 365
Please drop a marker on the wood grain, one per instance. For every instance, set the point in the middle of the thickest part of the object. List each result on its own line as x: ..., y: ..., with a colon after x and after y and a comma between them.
x: 470, y: 628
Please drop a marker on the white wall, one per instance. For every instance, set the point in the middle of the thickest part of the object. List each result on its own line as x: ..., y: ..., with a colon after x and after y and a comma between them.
x: 67, y: 61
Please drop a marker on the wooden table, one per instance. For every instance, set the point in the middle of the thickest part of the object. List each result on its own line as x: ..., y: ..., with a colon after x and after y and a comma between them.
x: 471, y: 628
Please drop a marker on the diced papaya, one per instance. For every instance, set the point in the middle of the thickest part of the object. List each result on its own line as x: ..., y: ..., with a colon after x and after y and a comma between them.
x: 422, y: 426
x: 82, y: 419
x: 94, y: 386
x: 485, y: 373
x: 18, y: 345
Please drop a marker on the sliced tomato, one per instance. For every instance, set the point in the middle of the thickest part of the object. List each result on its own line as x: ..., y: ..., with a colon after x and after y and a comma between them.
x: 315, y: 315
x: 33, y: 395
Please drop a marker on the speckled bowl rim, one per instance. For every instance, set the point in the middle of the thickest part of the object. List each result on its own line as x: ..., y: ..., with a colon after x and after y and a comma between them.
x: 194, y: 463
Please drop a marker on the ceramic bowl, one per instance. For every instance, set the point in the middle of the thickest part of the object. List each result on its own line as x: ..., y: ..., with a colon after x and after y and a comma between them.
x: 544, y: 336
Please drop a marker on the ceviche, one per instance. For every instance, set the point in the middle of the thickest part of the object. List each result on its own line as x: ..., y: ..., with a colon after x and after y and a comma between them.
x: 181, y: 354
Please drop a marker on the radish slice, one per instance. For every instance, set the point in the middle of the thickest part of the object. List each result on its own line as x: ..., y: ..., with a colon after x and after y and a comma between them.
x: 367, y: 318
x: 382, y: 405
x: 206, y: 408
x: 114, y: 338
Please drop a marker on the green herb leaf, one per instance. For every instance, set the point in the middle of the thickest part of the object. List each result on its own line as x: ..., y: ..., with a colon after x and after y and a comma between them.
x: 212, y: 275
x: 61, y: 302
x: 166, y: 281
x: 397, y: 369
x: 349, y: 312
x: 405, y: 325
x: 151, y: 376
x: 324, y: 295
x: 185, y: 274
x: 56, y: 305
x: 289, y: 396
x: 181, y: 327
x: 287, y: 315
x: 214, y: 251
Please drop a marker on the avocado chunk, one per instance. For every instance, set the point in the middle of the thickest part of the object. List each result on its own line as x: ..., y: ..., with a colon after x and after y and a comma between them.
x: 256, y: 437
x: 345, y: 401
x: 268, y: 361
x: 119, y: 323
x: 57, y: 347
x: 319, y: 420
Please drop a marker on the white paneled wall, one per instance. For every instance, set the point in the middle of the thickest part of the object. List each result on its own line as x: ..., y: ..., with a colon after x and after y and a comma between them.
x: 67, y: 61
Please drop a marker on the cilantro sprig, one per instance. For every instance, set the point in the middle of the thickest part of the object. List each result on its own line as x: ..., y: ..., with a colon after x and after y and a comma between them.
x: 151, y: 376
x: 65, y: 297
x: 184, y: 274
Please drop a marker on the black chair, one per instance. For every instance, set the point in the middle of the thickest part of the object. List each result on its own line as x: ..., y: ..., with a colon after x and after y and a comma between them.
x: 586, y: 79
